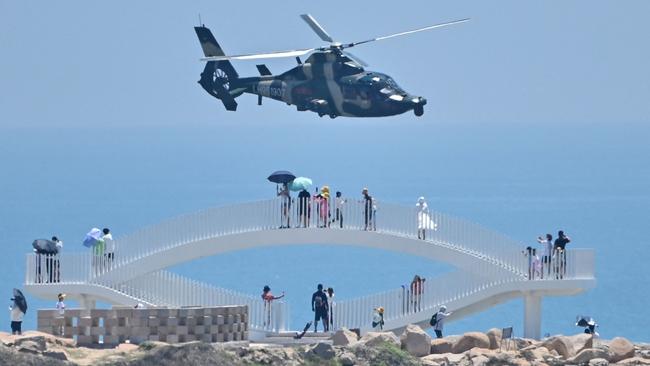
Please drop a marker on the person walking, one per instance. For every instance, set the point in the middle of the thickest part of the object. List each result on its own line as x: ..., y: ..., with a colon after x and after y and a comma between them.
x: 340, y: 201
x: 423, y: 217
x: 439, y: 320
x: 330, y: 306
x: 378, y: 318
x: 304, y: 207
x: 319, y: 307
x: 547, y: 250
x: 367, y: 209
x: 268, y: 298
x: 16, y: 316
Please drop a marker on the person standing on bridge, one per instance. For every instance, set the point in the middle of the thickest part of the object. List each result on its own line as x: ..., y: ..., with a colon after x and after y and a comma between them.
x: 285, y: 203
x: 340, y: 201
x: 439, y: 322
x: 110, y: 245
x: 423, y: 217
x: 319, y: 306
x: 268, y: 298
x: 367, y: 209
x: 304, y: 207
x: 547, y: 250
x: 559, y: 248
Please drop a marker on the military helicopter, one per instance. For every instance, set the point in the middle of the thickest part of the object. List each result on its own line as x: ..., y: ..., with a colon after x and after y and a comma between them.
x: 330, y: 82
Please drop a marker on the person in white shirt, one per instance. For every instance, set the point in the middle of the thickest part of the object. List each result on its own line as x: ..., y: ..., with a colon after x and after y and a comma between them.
x: 440, y: 320
x: 340, y: 201
x: 110, y: 245
x: 60, y: 309
x: 330, y: 302
x: 547, y: 250
x: 54, y: 263
x: 423, y: 217
x: 16, y: 319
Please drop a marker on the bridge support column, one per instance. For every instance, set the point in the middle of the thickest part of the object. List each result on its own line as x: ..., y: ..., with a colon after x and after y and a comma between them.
x: 87, y: 302
x: 532, y: 315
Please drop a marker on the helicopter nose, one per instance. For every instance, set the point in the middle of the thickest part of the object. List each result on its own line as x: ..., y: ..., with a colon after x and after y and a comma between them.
x: 418, y: 101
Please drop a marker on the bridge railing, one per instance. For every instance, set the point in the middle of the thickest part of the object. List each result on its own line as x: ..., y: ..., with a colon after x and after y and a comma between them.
x: 353, y: 215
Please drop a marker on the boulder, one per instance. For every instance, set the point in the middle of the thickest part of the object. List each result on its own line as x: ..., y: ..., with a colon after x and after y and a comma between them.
x: 57, y: 355
x: 347, y: 359
x: 480, y: 360
x: 621, y: 349
x: 589, y: 354
x: 416, y: 341
x: 372, y: 339
x: 598, y: 362
x: 470, y: 340
x: 522, y: 343
x: 441, y: 345
x: 37, y: 342
x: 344, y: 337
x: 561, y: 344
x: 494, y: 335
x: 634, y: 361
x: 444, y: 359
x: 581, y: 341
x: 324, y: 351
x: 644, y: 353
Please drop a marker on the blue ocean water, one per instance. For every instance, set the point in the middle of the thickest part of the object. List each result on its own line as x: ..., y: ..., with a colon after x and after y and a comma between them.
x: 592, y: 180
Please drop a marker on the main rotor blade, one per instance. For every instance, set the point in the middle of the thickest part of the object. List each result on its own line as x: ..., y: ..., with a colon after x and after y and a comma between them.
x: 407, y: 32
x: 255, y: 56
x: 316, y: 27
x: 355, y: 58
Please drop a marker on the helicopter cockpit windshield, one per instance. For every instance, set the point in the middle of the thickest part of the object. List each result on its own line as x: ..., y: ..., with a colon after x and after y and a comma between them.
x: 384, y: 84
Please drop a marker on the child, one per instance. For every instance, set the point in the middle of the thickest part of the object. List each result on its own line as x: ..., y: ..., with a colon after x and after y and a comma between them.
x: 16, y: 319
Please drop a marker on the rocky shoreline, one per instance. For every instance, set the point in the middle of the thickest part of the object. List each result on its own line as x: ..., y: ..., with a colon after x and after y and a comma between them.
x: 413, y: 347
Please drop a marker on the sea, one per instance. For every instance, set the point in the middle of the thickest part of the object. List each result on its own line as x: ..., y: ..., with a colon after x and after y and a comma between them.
x: 591, y: 180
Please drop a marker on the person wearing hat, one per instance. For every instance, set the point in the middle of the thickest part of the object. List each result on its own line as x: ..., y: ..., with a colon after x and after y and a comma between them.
x: 324, y: 206
x: 367, y: 209
x: 60, y: 307
x: 440, y: 320
x: 378, y: 318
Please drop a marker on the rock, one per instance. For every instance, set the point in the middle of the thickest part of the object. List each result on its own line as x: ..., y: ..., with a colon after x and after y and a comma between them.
x: 644, y: 353
x: 522, y: 342
x: 37, y: 342
x: 621, y: 349
x: 415, y: 341
x: 57, y: 355
x: 494, y: 335
x: 372, y: 339
x: 634, y: 361
x: 561, y: 344
x: 324, y: 351
x: 480, y: 360
x: 598, y: 362
x: 344, y: 337
x: 444, y: 359
x: 347, y: 358
x: 434, y: 360
x: 469, y: 341
x: 581, y: 341
x: 441, y: 345
x: 589, y: 354
x: 28, y: 347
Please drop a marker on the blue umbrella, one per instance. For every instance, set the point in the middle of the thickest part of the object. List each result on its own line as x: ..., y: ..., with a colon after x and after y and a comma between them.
x: 281, y: 176
x: 93, y: 237
x: 300, y: 183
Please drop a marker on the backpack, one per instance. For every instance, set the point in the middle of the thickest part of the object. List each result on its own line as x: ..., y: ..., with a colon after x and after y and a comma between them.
x: 434, y: 320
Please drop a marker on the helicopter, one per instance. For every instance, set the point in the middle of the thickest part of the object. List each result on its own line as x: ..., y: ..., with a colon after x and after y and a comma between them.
x: 331, y: 81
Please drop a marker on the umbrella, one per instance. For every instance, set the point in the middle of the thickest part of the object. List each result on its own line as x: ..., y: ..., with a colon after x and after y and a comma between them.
x: 299, y: 184
x: 19, y: 300
x: 44, y: 246
x: 93, y: 237
x: 584, y: 321
x: 281, y: 176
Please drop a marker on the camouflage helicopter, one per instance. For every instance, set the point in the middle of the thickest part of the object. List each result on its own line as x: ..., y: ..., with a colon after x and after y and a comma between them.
x: 330, y: 82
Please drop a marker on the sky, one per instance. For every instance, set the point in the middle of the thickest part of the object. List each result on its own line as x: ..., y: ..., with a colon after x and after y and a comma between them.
x: 537, y: 117
x: 75, y: 63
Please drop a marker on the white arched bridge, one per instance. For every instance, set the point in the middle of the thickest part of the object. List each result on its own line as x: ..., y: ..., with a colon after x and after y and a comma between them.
x: 490, y: 268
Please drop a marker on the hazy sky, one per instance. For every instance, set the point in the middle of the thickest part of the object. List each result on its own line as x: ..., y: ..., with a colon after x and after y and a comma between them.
x: 136, y: 63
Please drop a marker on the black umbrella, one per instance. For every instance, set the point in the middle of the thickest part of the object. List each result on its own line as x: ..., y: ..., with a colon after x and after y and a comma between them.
x: 281, y: 176
x: 19, y: 300
x: 44, y: 246
x: 583, y: 321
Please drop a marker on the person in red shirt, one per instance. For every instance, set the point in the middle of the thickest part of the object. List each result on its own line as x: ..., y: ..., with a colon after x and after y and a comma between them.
x: 268, y: 297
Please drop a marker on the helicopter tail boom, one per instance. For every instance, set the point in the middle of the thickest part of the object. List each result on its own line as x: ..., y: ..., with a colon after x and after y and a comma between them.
x: 217, y: 76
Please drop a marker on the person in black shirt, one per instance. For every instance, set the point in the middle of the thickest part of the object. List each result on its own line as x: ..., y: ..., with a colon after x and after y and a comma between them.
x: 320, y: 308
x: 367, y: 209
x: 303, y: 207
x: 558, y: 247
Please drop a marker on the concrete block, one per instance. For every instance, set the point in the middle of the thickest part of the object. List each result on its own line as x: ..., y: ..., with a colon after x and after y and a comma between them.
x: 140, y: 331
x: 183, y: 313
x: 163, y: 330
x: 154, y: 337
x: 97, y: 331
x: 48, y: 329
x: 236, y: 336
x: 45, y: 322
x: 244, y: 336
x: 220, y: 320
x: 190, y: 338
x: 190, y: 322
x: 172, y: 338
x: 220, y: 310
x: 110, y: 322
x: 227, y: 337
x: 230, y: 319
x: 206, y: 338
x: 46, y: 314
x: 84, y: 339
x: 69, y: 331
x: 99, y: 313
x: 111, y: 339
x: 153, y: 330
x: 138, y: 339
x: 197, y: 329
x: 172, y: 321
x: 153, y: 322
x: 85, y: 322
x: 181, y: 330
x: 219, y: 337
x: 238, y: 318
x: 214, y: 329
x: 123, y: 313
